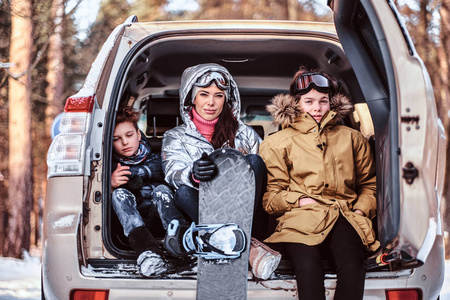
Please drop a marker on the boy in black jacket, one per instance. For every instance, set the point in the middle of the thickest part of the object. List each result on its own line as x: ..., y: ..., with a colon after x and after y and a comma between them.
x: 139, y: 190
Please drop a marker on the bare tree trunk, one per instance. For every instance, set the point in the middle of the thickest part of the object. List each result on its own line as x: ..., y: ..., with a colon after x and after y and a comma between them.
x: 20, y: 190
x: 292, y: 10
x: 5, y: 16
x: 422, y: 38
x: 444, y: 59
x: 55, y: 66
x: 55, y: 94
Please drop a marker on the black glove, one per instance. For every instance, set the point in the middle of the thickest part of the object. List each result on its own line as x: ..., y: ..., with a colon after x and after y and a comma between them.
x: 144, y: 172
x: 150, y: 170
x: 204, y: 168
x: 135, y: 183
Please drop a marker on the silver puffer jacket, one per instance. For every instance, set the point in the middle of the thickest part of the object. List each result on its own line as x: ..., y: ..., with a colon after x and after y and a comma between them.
x: 184, y: 144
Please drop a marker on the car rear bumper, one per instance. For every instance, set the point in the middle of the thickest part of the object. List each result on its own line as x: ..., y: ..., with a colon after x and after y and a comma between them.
x: 127, y: 284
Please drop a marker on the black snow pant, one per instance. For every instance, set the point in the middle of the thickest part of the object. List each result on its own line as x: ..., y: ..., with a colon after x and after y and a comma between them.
x: 347, y: 250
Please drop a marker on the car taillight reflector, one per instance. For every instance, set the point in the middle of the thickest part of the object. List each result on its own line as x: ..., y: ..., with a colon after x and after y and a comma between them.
x: 66, y: 155
x: 89, y: 295
x: 74, y: 122
x: 79, y: 104
x: 66, y: 147
x: 404, y: 294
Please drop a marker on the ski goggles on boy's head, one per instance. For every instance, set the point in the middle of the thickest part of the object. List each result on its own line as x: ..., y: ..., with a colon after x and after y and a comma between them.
x: 312, y: 80
x: 220, y: 79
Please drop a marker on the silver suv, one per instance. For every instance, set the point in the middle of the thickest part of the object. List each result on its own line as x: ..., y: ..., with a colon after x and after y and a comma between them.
x: 85, y: 253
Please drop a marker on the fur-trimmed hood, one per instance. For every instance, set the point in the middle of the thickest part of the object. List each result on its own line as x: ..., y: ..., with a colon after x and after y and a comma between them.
x: 285, y: 110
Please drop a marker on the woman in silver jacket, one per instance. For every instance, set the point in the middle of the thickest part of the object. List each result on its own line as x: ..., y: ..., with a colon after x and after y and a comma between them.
x: 210, y: 107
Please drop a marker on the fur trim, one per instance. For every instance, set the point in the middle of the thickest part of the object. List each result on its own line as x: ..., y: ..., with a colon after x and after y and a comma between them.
x: 341, y: 105
x: 285, y: 110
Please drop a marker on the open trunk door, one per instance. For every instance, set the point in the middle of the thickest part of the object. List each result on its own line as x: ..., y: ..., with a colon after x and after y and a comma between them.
x: 399, y: 94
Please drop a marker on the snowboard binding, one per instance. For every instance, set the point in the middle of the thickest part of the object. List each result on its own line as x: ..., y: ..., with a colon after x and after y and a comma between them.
x: 214, y: 241
x: 173, y: 241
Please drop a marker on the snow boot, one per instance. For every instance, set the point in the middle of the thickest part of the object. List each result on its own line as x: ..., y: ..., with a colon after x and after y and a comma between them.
x: 150, y: 260
x: 150, y: 264
x: 173, y: 241
x: 263, y: 260
x: 141, y: 239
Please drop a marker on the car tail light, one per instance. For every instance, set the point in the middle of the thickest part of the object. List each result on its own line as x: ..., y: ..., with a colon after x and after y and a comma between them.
x: 89, y: 295
x: 404, y: 294
x: 74, y: 122
x: 66, y: 155
x: 79, y: 104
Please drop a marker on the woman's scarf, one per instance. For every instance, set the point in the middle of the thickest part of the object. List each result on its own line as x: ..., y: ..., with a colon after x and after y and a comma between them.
x: 205, y: 127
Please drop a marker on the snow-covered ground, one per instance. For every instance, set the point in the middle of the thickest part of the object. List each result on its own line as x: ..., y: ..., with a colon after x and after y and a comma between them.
x: 20, y: 279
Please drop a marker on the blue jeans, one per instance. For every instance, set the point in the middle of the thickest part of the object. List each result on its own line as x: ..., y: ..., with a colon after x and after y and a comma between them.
x: 186, y: 198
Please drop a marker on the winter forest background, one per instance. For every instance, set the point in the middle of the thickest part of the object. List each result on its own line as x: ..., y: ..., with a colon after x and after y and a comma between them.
x: 46, y: 50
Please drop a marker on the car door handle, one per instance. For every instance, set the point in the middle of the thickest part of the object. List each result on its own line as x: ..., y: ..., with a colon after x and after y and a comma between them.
x: 410, y: 172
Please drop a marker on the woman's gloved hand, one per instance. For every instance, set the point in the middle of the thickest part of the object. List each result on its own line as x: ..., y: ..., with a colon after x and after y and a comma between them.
x: 204, y: 168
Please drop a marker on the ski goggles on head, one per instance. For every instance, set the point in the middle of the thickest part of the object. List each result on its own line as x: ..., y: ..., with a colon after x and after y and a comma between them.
x: 220, y: 79
x: 312, y: 80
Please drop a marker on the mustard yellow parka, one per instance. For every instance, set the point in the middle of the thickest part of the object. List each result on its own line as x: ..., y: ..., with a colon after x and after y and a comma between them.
x: 328, y: 162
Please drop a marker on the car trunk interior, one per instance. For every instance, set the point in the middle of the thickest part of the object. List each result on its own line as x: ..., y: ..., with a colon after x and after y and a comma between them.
x: 262, y: 64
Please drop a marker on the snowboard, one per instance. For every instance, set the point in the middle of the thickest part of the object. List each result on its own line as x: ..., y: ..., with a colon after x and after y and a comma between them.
x: 228, y: 198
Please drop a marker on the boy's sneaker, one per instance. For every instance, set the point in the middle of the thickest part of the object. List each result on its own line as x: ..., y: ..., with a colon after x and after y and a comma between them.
x: 150, y: 263
x: 263, y: 260
x: 173, y: 241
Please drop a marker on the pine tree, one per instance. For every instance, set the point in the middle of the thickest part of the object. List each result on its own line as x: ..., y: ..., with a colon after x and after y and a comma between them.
x: 5, y: 33
x: 20, y: 190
